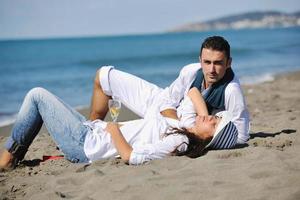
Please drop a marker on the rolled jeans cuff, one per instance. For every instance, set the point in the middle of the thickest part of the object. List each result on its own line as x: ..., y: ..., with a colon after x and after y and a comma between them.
x: 17, y: 150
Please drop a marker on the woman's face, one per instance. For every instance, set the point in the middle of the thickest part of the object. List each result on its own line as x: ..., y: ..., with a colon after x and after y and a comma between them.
x: 205, y: 126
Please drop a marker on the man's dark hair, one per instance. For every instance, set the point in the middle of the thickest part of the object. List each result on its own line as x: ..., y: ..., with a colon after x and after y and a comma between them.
x: 217, y: 43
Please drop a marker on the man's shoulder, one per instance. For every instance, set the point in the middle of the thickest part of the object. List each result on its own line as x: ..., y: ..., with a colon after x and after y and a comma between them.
x: 234, y: 85
x: 190, y: 68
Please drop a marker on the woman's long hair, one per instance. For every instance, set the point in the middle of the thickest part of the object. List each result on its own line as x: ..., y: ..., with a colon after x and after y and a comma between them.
x: 196, y: 146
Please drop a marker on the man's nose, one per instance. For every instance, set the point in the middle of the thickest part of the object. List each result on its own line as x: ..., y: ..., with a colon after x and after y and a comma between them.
x: 212, y: 67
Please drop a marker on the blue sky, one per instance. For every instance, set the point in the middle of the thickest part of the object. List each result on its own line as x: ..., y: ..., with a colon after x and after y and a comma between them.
x: 64, y: 18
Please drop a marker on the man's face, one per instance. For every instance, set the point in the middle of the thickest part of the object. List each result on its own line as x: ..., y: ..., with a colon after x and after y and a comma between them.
x: 214, y: 64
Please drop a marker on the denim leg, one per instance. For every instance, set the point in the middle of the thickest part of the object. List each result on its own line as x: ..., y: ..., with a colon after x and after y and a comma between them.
x: 64, y: 124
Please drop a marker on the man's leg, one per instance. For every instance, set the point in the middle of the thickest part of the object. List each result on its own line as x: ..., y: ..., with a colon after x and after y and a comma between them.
x: 135, y: 93
x: 99, y: 100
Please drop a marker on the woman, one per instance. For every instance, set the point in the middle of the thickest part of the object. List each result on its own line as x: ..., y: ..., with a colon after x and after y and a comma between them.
x: 135, y: 141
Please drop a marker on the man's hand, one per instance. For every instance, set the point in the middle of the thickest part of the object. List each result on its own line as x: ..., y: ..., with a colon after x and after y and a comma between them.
x: 169, y: 113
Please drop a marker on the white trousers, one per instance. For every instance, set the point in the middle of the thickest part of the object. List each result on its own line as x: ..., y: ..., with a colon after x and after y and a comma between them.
x: 140, y: 96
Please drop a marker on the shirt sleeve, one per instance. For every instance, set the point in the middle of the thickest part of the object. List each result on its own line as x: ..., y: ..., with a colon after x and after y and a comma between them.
x: 235, y: 103
x: 173, y: 94
x: 187, y: 113
x: 142, y: 153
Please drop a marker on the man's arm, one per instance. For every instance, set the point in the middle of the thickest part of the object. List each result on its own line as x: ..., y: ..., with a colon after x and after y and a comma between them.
x: 122, y: 146
x: 235, y: 103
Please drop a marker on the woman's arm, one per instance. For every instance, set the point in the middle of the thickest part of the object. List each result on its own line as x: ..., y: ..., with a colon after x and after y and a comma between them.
x: 119, y: 141
x: 198, y: 101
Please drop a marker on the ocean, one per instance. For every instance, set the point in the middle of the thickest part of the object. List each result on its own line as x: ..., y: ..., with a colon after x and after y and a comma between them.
x: 67, y: 66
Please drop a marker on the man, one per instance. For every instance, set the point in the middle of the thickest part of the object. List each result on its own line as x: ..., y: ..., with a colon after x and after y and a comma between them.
x: 213, y: 77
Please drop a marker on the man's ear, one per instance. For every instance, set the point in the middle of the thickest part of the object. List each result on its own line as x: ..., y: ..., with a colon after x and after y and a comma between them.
x: 229, y: 63
x: 199, y: 59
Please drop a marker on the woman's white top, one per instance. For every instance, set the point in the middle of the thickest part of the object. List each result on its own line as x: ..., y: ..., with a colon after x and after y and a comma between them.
x: 146, y: 136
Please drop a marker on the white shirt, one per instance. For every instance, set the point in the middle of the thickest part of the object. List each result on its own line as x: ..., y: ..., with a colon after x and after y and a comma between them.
x: 172, y: 98
x: 146, y: 136
x: 186, y: 113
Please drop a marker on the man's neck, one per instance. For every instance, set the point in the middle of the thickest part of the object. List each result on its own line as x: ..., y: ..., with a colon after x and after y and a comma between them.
x: 205, y: 84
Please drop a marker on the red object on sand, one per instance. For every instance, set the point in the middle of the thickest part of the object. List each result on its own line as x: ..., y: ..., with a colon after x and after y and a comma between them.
x: 52, y: 158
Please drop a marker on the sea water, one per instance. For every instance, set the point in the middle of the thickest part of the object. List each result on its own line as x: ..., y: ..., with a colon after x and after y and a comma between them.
x: 67, y: 66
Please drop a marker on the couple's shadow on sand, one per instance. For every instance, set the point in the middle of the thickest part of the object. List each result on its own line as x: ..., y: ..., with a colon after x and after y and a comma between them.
x: 266, y: 135
x: 36, y: 162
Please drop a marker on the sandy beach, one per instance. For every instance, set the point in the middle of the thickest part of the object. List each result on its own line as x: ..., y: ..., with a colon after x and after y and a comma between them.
x: 268, y: 167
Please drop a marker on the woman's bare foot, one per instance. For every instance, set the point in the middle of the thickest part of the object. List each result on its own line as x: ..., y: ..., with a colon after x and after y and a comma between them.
x: 6, y: 160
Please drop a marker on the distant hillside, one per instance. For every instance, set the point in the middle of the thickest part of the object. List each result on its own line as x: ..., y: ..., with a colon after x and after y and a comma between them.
x: 269, y: 19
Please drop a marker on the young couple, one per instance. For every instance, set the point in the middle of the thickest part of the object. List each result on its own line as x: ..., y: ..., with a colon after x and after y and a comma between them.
x: 202, y: 109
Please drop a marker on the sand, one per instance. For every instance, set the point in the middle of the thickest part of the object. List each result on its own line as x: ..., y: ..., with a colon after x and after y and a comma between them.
x: 268, y: 167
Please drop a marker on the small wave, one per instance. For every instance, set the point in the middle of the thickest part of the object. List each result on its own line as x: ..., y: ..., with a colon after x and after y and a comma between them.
x: 81, y: 107
x: 139, y: 58
x: 7, y: 119
x: 249, y: 80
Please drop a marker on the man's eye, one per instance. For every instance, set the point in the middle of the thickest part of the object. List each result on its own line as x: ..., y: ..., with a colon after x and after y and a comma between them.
x: 219, y: 63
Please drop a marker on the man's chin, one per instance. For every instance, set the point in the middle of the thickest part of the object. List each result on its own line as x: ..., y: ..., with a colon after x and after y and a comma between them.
x: 212, y: 81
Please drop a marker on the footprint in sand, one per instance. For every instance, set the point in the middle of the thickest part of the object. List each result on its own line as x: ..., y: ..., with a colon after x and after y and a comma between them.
x: 260, y: 175
x: 279, y: 144
x: 234, y: 154
x: 63, y: 195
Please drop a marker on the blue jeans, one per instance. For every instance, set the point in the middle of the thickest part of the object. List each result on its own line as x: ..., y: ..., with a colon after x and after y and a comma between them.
x: 64, y: 124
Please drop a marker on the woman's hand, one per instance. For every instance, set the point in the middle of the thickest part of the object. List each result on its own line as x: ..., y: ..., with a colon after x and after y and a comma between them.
x: 170, y: 113
x: 111, y: 127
